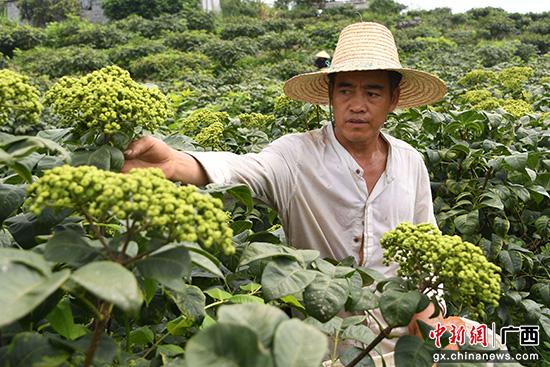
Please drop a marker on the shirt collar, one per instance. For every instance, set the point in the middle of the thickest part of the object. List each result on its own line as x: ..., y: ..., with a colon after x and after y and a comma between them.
x: 350, y: 161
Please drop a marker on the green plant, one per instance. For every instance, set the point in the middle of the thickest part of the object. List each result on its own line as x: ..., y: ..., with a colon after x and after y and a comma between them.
x: 19, y: 100
x: 107, y: 102
x: 41, y: 12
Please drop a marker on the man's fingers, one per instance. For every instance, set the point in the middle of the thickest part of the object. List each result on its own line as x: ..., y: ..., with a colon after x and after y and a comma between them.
x: 138, y: 147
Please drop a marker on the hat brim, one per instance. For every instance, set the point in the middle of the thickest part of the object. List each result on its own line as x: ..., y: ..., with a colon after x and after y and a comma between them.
x: 418, y: 88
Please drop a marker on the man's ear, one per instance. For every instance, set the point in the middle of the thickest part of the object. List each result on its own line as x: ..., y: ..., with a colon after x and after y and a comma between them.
x: 395, y: 98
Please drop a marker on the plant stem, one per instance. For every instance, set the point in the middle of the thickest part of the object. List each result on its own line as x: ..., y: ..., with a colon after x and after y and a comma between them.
x: 487, y: 176
x: 155, y: 345
x: 384, y: 333
x: 105, y: 311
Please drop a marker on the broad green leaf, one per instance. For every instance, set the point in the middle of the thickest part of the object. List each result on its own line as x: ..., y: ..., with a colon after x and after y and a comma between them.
x: 251, y: 287
x: 353, y: 320
x: 282, y: 277
x: 11, y: 198
x: 105, y: 352
x: 467, y: 223
x: 491, y: 199
x: 110, y: 282
x: 245, y: 298
x: 166, y: 264
x: 397, y: 307
x: 351, y: 353
x: 542, y: 224
x: 241, y: 226
x: 297, y: 344
x: 29, y: 258
x: 62, y: 321
x: 360, y: 333
x: 107, y: 158
x: 542, y: 290
x: 170, y: 350
x: 142, y: 336
x: 69, y: 247
x: 369, y: 276
x: 25, y: 227
x: 263, y: 319
x: 365, y: 300
x: 517, y: 161
x: 501, y: 226
x: 191, y: 302
x: 218, y: 294
x: 204, y: 262
x: 243, y: 195
x: 292, y: 301
x: 32, y: 349
x: 510, y: 261
x: 179, y: 325
x: 23, y: 288
x: 261, y: 250
x: 226, y: 345
x: 331, y: 327
x: 325, y: 296
x: 150, y: 287
x: 411, y: 351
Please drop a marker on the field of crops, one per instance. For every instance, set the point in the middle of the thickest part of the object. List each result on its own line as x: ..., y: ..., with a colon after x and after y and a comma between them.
x: 103, y: 268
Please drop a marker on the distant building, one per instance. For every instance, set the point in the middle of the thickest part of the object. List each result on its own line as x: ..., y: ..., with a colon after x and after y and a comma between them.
x: 357, y: 4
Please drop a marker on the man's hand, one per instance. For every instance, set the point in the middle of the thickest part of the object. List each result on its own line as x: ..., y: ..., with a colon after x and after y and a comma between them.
x: 150, y: 152
x: 424, y: 316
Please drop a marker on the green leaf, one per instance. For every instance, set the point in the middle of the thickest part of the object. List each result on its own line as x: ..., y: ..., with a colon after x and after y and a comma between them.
x: 150, y: 287
x: 510, y: 261
x: 325, y: 297
x: 179, y: 325
x: 106, y: 348
x: 365, y: 300
x: 297, y: 344
x: 23, y: 288
x: 398, y: 308
x: 69, y: 247
x: 351, y: 353
x: 25, y: 227
x: 542, y: 290
x: 243, y: 195
x: 467, y: 223
x: 251, y: 287
x: 261, y: 251
x: 110, y: 282
x: 191, y: 302
x: 170, y: 350
x: 166, y: 264
x: 542, y: 224
x: 517, y: 161
x: 360, y: 333
x: 501, y: 226
x: 241, y: 226
x: 226, y: 345
x: 61, y: 320
x: 205, y: 263
x: 107, y: 158
x: 29, y: 258
x: 263, y: 319
x: 246, y: 298
x: 491, y: 199
x: 33, y: 349
x: 11, y: 198
x: 142, y: 336
x: 411, y: 351
x: 218, y: 294
x: 282, y: 277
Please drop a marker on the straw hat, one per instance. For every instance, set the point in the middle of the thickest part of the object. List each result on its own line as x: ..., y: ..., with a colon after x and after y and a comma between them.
x: 361, y: 47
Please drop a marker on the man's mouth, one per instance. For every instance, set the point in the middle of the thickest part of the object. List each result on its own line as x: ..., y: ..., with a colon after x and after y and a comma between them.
x: 356, y: 121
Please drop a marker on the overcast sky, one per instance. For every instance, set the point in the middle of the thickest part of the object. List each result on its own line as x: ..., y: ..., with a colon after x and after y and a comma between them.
x: 459, y: 6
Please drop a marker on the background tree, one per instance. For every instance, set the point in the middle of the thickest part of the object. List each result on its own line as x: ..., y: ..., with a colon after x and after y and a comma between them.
x: 40, y: 12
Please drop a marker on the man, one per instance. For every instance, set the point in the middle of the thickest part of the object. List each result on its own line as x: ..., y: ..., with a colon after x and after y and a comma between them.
x: 337, y: 189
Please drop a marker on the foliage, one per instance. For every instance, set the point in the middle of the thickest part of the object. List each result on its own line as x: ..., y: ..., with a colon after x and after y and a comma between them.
x: 170, y: 64
x: 433, y: 260
x: 120, y: 9
x: 107, y: 102
x: 58, y: 62
x: 74, y: 31
x: 23, y: 37
x: 41, y: 12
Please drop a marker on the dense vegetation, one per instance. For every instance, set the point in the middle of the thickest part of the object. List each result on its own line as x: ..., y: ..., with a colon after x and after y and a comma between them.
x: 185, y: 295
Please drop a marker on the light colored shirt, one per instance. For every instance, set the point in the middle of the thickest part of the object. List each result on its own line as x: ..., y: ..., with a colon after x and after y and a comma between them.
x: 322, y: 199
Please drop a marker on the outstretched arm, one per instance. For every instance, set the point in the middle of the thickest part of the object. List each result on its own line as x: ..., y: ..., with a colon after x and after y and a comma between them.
x: 177, y: 166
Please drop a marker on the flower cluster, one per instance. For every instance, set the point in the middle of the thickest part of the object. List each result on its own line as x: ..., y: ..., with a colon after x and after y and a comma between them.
x: 143, y: 198
x: 108, y: 101
x: 513, y: 78
x: 431, y: 260
x: 478, y: 77
x: 285, y: 106
x: 211, y: 136
x: 19, y: 101
x: 201, y: 118
x: 256, y: 120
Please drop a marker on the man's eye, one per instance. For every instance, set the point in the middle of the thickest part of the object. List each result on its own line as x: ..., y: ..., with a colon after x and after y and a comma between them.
x: 345, y: 91
x: 373, y: 94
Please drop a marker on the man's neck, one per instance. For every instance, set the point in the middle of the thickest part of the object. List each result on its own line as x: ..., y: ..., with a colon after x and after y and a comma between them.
x: 368, y: 151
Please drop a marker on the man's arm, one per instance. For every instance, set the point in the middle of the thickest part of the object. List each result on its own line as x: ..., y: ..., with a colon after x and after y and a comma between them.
x: 178, y: 166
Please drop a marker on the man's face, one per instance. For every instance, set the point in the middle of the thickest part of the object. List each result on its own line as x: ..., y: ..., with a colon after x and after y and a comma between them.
x: 361, y: 101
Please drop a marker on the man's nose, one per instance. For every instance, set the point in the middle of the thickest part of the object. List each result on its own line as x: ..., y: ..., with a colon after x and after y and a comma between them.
x: 358, y: 103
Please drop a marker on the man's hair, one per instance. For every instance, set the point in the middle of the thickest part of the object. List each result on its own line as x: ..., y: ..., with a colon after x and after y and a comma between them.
x: 395, y: 79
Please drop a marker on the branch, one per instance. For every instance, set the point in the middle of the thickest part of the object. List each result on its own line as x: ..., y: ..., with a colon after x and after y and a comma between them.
x: 384, y: 333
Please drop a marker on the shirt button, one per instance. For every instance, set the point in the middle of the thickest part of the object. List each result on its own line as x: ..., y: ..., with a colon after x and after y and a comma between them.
x: 355, y: 239
x: 358, y: 171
